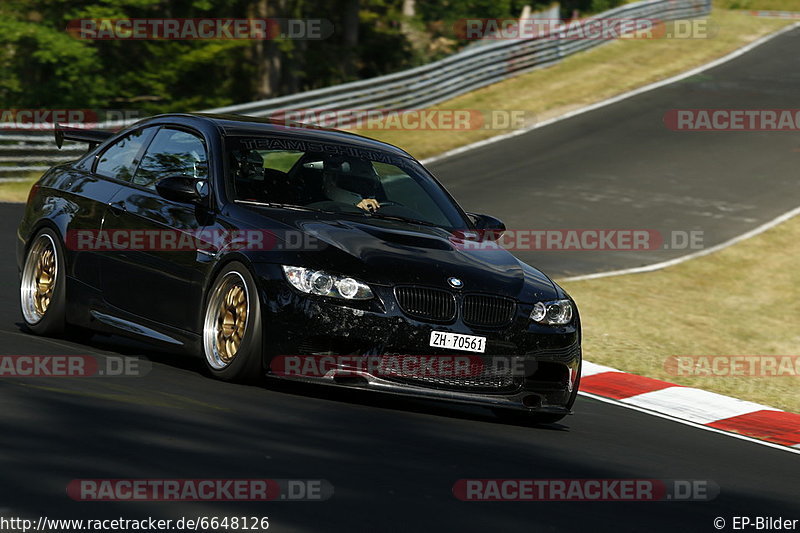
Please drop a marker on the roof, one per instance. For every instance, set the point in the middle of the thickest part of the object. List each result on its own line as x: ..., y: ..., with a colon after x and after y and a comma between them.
x: 244, y: 125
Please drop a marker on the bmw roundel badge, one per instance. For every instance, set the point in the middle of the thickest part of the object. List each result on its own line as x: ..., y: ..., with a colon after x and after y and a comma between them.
x: 455, y: 283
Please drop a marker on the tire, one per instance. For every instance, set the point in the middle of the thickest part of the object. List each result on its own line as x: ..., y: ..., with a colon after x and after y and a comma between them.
x: 232, y: 331
x: 514, y: 416
x: 43, y: 285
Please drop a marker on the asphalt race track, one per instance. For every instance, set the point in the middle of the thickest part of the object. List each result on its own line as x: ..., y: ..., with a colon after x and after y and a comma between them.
x: 393, y: 463
x: 620, y: 167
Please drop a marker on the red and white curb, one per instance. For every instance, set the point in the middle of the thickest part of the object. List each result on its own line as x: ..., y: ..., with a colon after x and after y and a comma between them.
x: 694, y: 406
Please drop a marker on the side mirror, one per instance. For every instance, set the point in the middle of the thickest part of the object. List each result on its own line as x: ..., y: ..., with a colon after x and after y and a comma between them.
x: 490, y: 228
x: 182, y: 189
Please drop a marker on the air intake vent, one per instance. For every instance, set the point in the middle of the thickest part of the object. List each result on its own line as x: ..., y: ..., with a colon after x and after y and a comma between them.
x: 427, y: 304
x: 489, y: 378
x: 489, y: 311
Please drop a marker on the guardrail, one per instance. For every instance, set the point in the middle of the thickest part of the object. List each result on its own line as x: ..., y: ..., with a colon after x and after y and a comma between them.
x: 474, y: 67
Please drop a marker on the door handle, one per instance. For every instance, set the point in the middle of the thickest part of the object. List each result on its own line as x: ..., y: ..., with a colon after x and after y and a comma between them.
x: 118, y: 205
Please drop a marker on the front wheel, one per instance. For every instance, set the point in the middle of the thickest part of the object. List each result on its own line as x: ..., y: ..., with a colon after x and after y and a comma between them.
x: 232, y: 331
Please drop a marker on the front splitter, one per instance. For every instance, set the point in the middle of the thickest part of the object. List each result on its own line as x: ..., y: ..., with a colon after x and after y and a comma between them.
x: 521, y: 400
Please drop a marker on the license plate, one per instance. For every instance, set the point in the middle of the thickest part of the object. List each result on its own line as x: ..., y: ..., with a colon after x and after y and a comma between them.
x: 457, y: 341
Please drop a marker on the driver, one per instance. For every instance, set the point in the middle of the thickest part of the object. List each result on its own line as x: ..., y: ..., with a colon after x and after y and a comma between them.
x: 250, y: 166
x: 351, y: 181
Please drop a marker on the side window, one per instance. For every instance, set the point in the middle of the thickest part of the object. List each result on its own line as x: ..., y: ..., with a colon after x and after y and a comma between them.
x: 119, y: 160
x: 172, y: 153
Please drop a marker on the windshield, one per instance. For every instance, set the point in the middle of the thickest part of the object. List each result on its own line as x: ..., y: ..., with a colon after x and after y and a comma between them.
x: 337, y: 178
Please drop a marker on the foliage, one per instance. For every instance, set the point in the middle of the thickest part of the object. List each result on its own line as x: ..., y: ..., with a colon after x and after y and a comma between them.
x: 44, y: 66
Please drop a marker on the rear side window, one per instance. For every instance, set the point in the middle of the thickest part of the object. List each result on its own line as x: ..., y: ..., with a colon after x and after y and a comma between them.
x: 172, y: 153
x: 120, y: 159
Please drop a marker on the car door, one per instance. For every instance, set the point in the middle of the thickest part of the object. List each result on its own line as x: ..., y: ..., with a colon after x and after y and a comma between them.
x: 158, y: 273
x: 92, y: 183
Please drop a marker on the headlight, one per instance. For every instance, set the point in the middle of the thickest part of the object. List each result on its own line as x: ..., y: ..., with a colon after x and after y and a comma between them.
x: 325, y: 284
x: 555, y: 312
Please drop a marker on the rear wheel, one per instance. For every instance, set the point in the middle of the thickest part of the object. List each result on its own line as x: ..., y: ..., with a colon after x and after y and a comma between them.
x: 232, y: 339
x: 42, y: 287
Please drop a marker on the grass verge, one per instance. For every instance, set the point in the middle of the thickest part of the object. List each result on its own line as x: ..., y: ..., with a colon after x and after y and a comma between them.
x: 17, y: 191
x: 586, y: 78
x: 738, y: 301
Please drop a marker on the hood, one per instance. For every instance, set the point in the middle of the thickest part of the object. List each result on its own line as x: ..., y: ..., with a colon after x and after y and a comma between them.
x: 387, y: 252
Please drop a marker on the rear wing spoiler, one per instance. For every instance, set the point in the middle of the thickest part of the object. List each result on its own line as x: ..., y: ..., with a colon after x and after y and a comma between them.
x: 93, y: 137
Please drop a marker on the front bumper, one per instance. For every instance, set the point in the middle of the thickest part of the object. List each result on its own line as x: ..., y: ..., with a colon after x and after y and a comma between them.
x: 521, y: 399
x: 296, y: 324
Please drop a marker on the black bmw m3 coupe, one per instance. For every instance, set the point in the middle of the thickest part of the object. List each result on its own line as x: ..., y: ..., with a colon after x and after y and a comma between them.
x: 250, y: 242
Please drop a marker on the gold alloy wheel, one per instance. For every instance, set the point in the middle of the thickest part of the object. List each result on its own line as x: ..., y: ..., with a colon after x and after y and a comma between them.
x: 231, y: 321
x: 226, y: 320
x: 39, y: 278
x: 45, y: 280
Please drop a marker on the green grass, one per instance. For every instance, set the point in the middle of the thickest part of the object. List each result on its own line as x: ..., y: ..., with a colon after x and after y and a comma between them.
x: 738, y: 301
x: 17, y: 191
